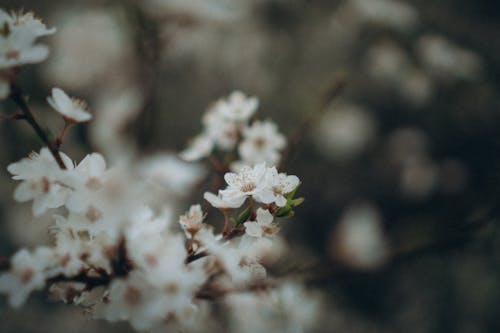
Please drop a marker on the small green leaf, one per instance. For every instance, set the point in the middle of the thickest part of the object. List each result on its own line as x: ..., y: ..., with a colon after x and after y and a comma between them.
x: 296, y: 202
x: 244, y: 215
x: 292, y: 194
x: 285, y: 213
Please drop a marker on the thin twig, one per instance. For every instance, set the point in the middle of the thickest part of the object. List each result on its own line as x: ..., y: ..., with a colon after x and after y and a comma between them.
x: 17, y: 97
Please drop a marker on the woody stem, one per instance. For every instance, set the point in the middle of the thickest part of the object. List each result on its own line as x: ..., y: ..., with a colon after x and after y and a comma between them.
x: 17, y: 97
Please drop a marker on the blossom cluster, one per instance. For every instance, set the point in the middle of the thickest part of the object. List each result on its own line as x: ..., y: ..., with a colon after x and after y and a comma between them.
x: 117, y: 246
x: 226, y: 127
x: 18, y: 35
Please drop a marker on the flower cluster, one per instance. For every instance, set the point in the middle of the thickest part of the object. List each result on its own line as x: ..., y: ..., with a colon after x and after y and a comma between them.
x: 117, y: 247
x: 263, y: 184
x: 227, y: 127
x: 18, y: 35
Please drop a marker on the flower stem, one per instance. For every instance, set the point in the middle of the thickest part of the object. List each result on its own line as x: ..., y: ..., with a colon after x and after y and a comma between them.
x: 17, y: 97
x: 226, y: 222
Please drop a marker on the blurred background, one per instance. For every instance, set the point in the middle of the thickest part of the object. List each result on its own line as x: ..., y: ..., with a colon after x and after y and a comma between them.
x: 400, y: 172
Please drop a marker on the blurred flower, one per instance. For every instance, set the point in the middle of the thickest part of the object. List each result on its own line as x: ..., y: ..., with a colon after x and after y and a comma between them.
x: 445, y: 60
x: 192, y: 221
x: 27, y: 273
x: 391, y: 66
x: 40, y: 176
x: 71, y: 109
x: 18, y: 20
x: 261, y: 143
x: 345, y: 132
x: 263, y: 226
x: 199, y: 147
x: 90, y: 49
x: 359, y: 240
x: 166, y: 172
x: 418, y: 178
x: 113, y: 112
x: 395, y: 14
x: 17, y: 47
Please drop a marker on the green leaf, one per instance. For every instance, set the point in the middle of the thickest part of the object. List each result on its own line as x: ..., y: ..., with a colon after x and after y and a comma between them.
x: 285, y: 212
x: 292, y: 194
x: 296, y: 202
x: 244, y: 215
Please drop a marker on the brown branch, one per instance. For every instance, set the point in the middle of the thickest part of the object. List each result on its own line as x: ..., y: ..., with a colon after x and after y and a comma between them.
x: 195, y: 256
x: 17, y: 97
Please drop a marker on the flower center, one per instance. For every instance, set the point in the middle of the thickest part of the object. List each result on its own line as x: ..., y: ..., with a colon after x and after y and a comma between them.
x: 132, y: 295
x: 259, y: 143
x: 247, y: 187
x: 12, y: 54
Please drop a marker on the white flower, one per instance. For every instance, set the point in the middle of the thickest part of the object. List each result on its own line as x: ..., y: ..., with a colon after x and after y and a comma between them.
x: 135, y: 300
x: 287, y: 308
x: 262, y: 143
x: 222, y: 131
x: 249, y: 181
x: 17, y: 48
x: 85, y: 179
x: 167, y: 172
x: 71, y: 109
x: 28, y: 272
x: 228, y: 257
x: 237, y: 107
x: 263, y: 226
x: 221, y: 126
x: 200, y: 147
x: 278, y: 184
x: 41, y: 180
x: 359, y: 239
x: 192, y: 221
x: 25, y: 20
x: 218, y: 201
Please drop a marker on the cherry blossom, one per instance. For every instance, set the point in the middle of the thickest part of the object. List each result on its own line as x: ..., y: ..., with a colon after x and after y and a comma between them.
x: 263, y: 226
x: 279, y: 184
x: 71, y: 109
x: 40, y: 176
x: 18, y: 34
x: 261, y: 143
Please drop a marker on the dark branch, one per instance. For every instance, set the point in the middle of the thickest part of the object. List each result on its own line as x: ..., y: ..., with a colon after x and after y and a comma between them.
x: 17, y: 97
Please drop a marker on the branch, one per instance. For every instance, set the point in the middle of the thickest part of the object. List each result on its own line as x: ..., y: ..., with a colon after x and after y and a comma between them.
x: 17, y: 97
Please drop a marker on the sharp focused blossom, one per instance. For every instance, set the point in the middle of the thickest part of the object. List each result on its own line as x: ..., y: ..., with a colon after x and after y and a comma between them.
x: 279, y: 185
x: 114, y: 249
x: 218, y: 201
x: 71, y: 109
x: 249, y: 181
